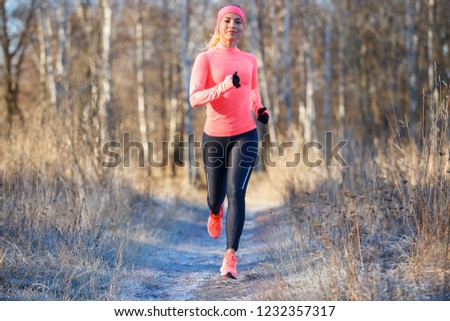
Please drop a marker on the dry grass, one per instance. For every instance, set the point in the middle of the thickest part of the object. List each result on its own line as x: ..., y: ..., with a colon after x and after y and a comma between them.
x: 378, y: 230
x: 68, y: 228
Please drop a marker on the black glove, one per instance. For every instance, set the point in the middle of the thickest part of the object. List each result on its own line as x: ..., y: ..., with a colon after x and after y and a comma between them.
x: 263, y: 116
x: 236, y: 80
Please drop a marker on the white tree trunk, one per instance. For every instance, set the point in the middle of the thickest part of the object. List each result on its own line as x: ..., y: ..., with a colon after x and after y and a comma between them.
x: 302, y: 76
x: 310, y: 125
x: 140, y: 78
x: 262, y: 81
x: 327, y: 98
x: 341, y: 71
x: 276, y: 88
x: 65, y: 47
x: 41, y: 62
x: 173, y: 130
x: 287, y: 64
x: 61, y: 53
x: 89, y: 123
x: 412, y: 40
x: 430, y: 37
x: 171, y: 104
x: 104, y: 96
x: 192, y: 171
x: 50, y: 71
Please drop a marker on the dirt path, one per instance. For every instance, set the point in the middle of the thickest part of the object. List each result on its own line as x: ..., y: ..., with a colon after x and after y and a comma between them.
x: 187, y: 266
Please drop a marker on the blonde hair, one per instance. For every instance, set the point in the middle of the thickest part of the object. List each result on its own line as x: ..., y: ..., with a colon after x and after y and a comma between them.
x: 215, y: 38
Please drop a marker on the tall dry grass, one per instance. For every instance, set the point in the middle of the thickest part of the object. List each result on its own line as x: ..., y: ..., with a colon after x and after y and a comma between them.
x: 69, y: 229
x: 377, y: 230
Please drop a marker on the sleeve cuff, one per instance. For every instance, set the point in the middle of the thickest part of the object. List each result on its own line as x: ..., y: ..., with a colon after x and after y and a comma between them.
x: 228, y: 83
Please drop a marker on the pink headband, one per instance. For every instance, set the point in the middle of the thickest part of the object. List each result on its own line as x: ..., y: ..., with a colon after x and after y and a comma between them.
x: 229, y: 9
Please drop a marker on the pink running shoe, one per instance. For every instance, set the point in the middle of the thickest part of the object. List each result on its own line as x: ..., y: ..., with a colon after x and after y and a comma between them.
x: 228, y: 268
x: 215, y: 224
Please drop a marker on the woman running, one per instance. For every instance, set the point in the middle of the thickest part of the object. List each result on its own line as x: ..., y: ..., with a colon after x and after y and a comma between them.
x: 226, y: 80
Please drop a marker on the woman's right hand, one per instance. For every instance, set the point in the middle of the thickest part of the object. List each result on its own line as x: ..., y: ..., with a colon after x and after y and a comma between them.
x: 236, y: 80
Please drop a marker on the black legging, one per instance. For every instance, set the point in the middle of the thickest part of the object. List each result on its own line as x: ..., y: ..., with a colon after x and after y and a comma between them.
x: 228, y: 164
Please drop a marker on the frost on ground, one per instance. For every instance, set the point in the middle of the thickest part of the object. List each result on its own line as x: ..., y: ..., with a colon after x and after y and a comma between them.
x: 185, y: 264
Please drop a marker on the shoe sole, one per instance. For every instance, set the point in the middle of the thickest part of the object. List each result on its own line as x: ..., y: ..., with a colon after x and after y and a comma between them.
x: 213, y: 237
x: 229, y: 276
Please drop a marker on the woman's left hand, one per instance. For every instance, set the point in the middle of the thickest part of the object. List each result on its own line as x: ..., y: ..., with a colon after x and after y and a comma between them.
x: 263, y: 115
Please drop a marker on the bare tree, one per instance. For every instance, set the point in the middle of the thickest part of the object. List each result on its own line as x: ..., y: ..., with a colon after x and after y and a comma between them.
x: 361, y: 52
x: 89, y: 122
x: 170, y: 66
x: 341, y: 69
x: 192, y: 171
x: 62, y: 83
x: 42, y: 62
x: 412, y: 41
x: 140, y: 78
x: 12, y: 60
x: 52, y: 57
x: 276, y: 88
x: 430, y: 39
x: 258, y: 47
x: 104, y: 94
x: 48, y: 56
x: 328, y: 68
x: 310, y: 129
x: 302, y: 121
x: 287, y: 63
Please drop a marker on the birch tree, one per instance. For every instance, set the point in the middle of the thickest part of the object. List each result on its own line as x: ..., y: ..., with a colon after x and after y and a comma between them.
x: 302, y: 121
x: 192, y: 171
x: 341, y: 69
x: 52, y: 52
x: 263, y: 84
x: 430, y: 39
x: 412, y: 41
x: 276, y: 88
x: 42, y: 63
x: 309, y: 123
x: 257, y: 47
x: 170, y: 66
x: 361, y: 56
x: 140, y: 78
x: 327, y: 91
x: 104, y: 94
x: 287, y: 64
x: 13, y: 57
x: 89, y: 123
x: 48, y: 56
x: 62, y: 83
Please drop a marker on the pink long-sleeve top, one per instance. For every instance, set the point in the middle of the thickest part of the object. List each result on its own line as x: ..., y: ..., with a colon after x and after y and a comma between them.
x: 228, y: 108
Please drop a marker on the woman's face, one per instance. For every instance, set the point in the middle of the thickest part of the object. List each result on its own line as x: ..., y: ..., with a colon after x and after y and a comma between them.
x: 231, y: 27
